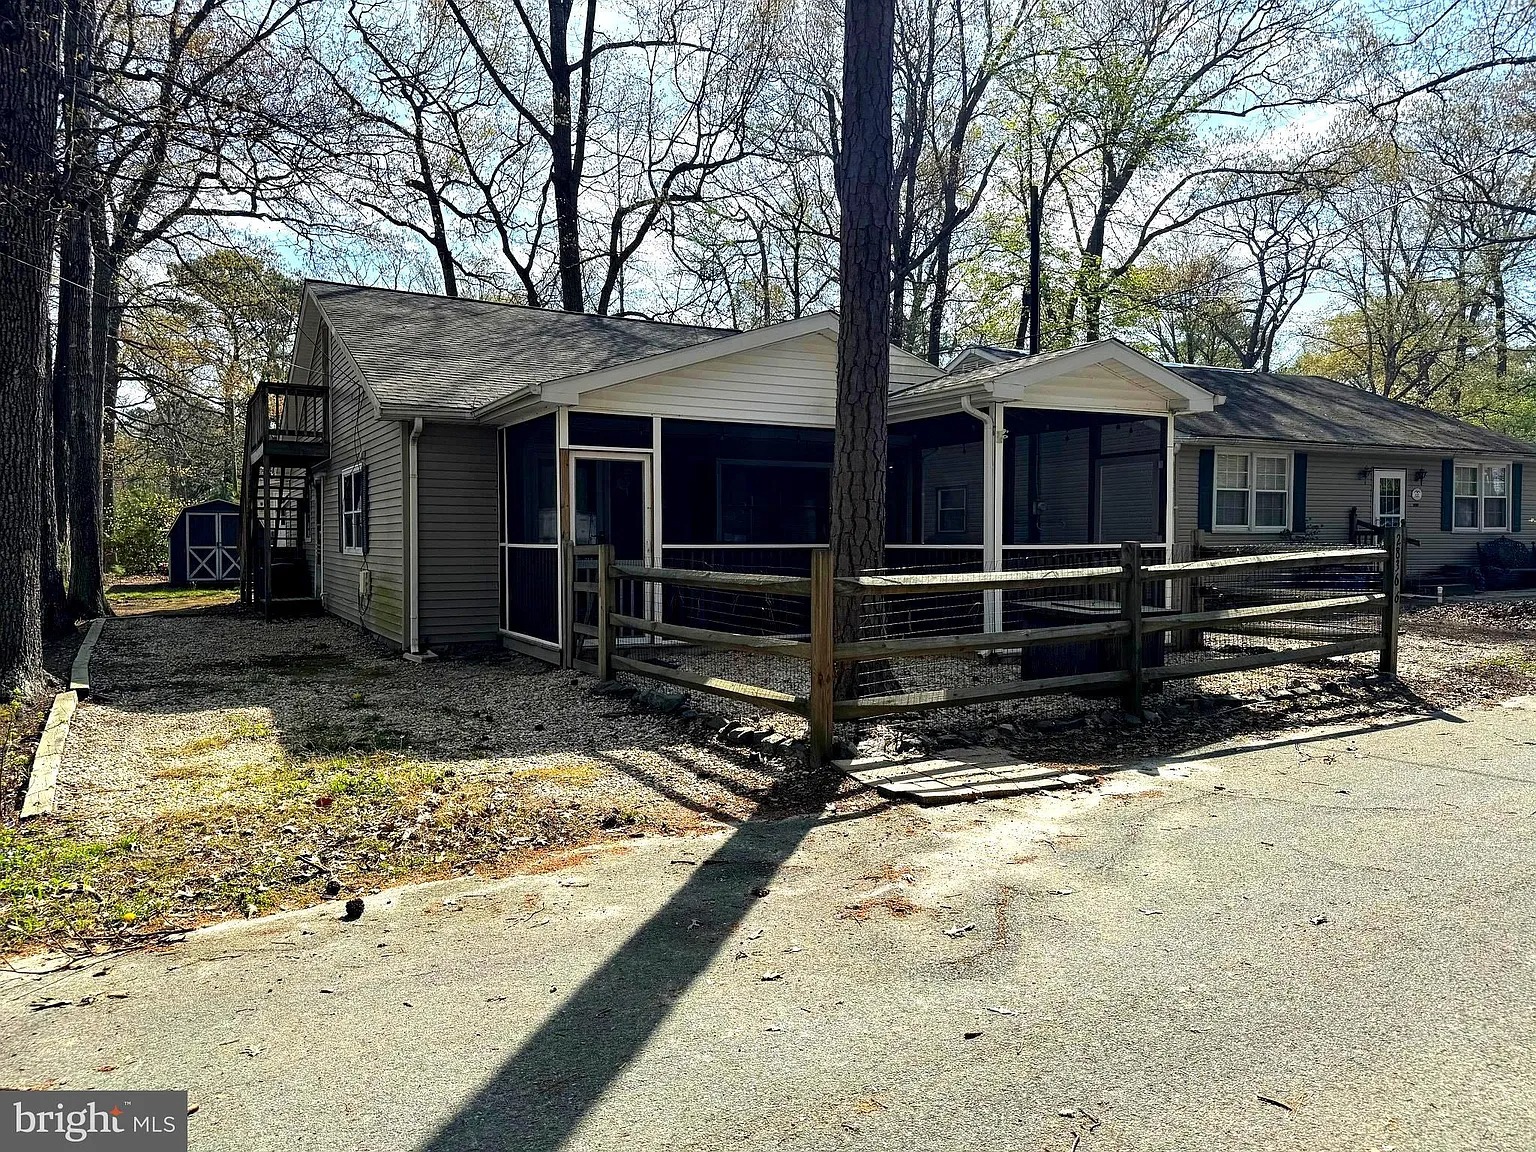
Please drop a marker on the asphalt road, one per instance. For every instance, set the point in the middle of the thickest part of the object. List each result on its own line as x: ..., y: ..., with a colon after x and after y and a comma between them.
x: 1317, y: 944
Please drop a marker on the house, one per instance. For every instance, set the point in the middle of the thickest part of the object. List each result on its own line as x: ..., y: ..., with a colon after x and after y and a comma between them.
x: 1306, y: 456
x: 427, y: 455
x: 1286, y: 456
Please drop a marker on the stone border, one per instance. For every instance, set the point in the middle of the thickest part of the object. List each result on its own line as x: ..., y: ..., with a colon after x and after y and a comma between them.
x: 41, y: 798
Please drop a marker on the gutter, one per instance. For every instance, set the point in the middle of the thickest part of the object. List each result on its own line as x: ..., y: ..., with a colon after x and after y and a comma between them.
x: 999, y: 433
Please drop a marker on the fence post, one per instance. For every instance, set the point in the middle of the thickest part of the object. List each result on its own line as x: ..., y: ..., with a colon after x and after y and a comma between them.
x: 823, y: 663
x: 567, y: 602
x: 1391, y: 607
x: 1130, y: 612
x: 607, y: 597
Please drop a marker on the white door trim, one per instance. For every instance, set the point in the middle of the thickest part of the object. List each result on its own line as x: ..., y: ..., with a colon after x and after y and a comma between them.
x: 1377, y: 476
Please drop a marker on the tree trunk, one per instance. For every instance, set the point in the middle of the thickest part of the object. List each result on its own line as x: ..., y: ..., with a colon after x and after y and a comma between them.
x: 564, y: 177
x: 1500, y: 320
x: 940, y: 297
x: 864, y: 266
x: 106, y: 320
x: 57, y: 618
x: 86, y: 594
x: 29, y: 91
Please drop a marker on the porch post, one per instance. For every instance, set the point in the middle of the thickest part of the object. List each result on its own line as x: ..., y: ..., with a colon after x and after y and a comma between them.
x: 992, y: 458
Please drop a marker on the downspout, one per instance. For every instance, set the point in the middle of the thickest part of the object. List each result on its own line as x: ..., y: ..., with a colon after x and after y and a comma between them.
x: 412, y: 500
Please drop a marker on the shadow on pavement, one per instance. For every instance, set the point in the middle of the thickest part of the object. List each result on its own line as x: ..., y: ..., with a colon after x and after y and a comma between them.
x: 544, y: 1089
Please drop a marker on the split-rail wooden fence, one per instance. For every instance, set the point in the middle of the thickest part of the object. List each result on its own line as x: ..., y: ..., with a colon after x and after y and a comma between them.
x: 593, y: 644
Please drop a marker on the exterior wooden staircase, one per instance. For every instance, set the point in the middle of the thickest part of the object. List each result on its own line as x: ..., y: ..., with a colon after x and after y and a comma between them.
x: 287, y: 436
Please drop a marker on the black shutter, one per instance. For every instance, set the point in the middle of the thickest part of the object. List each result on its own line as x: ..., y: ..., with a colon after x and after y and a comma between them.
x: 1299, y: 493
x: 341, y: 512
x: 1447, y: 494
x: 1207, y: 482
x: 362, y: 521
x: 1516, y: 491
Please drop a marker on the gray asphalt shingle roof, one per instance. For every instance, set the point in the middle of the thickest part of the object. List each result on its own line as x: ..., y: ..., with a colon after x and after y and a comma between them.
x: 455, y: 355
x: 1316, y: 410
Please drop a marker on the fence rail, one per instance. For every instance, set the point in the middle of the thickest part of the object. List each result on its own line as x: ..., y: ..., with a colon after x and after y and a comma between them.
x: 1124, y: 642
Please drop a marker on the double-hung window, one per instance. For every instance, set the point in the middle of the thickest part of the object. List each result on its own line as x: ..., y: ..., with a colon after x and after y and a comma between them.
x: 354, y: 509
x: 952, y: 508
x: 1253, y: 491
x: 1480, y: 497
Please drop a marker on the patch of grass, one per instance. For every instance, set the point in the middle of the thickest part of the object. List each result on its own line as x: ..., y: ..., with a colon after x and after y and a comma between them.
x: 280, y: 829
x: 318, y: 738
x: 166, y: 592
x: 238, y: 728
x: 374, y: 776
x: 1517, y: 663
x: 580, y: 774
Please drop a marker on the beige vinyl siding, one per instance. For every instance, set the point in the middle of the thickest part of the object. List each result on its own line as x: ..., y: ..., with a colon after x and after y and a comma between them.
x: 1334, y: 486
x: 1097, y: 389
x: 456, y: 533
x: 906, y: 370
x: 792, y: 383
x: 357, y: 437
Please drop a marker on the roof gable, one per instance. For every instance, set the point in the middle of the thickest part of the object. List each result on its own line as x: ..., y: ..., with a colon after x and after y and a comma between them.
x: 450, y: 356
x: 1065, y: 378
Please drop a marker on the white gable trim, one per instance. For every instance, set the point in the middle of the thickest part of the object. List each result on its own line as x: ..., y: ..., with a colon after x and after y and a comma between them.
x: 1021, y: 382
x: 1124, y: 361
x: 336, y: 343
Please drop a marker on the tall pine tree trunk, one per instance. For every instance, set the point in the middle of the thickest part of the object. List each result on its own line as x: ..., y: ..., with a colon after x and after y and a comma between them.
x: 86, y: 595
x: 75, y: 376
x: 29, y: 91
x: 565, y: 173
x: 106, y: 319
x: 57, y: 618
x: 864, y: 268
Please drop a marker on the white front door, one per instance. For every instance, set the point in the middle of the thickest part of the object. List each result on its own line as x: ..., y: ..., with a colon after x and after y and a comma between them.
x: 1389, y: 486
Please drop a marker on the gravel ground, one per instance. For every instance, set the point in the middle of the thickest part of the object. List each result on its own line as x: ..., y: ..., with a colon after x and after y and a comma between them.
x: 187, y: 700
x: 225, y: 766
x: 228, y: 766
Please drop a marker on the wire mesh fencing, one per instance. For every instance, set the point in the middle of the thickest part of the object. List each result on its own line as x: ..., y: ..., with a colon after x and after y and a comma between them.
x: 1118, y: 622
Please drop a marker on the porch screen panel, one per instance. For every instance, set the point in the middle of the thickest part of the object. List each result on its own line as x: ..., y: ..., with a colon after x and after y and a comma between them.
x: 1064, y: 493
x: 1129, y: 487
x: 530, y: 527
x: 602, y: 430
x: 1075, y: 478
x: 744, y: 484
x: 742, y: 497
x: 936, y: 482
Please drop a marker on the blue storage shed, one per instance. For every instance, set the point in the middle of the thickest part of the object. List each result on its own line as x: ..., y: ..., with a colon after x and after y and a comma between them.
x: 205, y: 544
